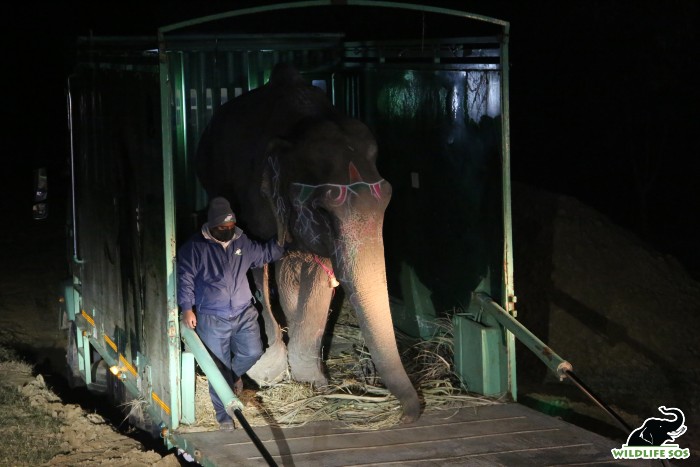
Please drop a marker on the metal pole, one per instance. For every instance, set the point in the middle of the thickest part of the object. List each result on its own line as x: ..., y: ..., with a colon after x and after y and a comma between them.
x: 574, y: 379
x: 254, y: 438
x: 555, y: 363
x: 233, y: 405
x: 625, y: 427
x: 69, y: 97
x: 214, y: 376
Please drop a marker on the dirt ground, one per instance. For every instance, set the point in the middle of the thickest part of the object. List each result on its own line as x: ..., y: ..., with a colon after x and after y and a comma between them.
x: 32, y: 255
x: 624, y: 315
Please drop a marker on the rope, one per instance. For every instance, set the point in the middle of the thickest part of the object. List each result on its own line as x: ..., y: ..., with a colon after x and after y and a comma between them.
x: 332, y: 281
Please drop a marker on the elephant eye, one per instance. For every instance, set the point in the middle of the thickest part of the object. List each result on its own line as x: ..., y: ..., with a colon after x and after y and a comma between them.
x: 372, y: 152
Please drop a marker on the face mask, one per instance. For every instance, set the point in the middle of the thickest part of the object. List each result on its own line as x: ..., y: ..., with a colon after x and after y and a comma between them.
x: 222, y: 235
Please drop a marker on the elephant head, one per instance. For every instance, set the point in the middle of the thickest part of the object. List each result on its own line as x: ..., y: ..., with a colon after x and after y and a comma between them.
x: 659, y: 431
x: 329, y: 199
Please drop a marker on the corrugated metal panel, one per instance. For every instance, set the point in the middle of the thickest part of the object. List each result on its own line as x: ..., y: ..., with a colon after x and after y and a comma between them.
x: 120, y: 219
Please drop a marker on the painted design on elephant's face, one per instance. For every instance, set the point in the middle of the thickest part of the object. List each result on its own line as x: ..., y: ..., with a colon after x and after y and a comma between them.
x: 355, y: 227
x: 306, y: 222
x: 338, y: 194
x: 280, y: 208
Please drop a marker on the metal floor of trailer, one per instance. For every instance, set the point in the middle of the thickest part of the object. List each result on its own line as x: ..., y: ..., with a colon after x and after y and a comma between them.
x: 506, y: 434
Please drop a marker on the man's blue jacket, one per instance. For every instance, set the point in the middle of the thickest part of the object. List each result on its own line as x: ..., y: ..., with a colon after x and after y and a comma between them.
x: 211, y: 275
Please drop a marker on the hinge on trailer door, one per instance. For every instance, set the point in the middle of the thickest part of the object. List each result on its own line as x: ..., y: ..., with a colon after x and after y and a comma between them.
x: 510, y: 306
x: 172, y: 331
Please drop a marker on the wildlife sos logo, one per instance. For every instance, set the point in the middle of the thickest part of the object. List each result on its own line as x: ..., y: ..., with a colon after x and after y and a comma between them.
x: 653, y: 439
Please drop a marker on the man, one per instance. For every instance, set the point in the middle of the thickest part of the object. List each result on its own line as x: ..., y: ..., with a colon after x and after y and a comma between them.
x: 215, y: 297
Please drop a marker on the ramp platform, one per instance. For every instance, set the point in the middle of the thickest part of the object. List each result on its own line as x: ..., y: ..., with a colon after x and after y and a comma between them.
x: 504, y: 434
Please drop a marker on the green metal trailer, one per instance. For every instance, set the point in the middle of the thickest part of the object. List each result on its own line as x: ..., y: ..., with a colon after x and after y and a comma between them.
x: 434, y: 90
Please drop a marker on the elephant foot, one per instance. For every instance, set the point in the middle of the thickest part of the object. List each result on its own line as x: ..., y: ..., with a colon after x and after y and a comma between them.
x: 308, y: 372
x: 317, y: 380
x: 272, y: 366
x: 407, y: 419
x: 411, y: 410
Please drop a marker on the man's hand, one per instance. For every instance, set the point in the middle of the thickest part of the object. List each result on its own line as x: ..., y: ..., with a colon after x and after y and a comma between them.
x: 189, y: 319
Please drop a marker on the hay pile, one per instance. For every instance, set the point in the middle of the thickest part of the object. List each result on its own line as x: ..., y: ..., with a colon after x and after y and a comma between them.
x: 355, y: 395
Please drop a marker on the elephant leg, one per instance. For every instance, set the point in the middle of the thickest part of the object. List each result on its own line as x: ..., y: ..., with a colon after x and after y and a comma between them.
x: 305, y: 296
x: 272, y: 366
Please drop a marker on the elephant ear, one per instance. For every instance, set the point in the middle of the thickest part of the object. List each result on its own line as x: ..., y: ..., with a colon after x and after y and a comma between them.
x: 271, y: 189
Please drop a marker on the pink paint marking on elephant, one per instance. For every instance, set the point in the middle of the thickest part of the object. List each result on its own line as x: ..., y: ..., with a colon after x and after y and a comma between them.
x: 343, y: 192
x: 354, y: 174
x: 341, y: 198
x: 376, y: 189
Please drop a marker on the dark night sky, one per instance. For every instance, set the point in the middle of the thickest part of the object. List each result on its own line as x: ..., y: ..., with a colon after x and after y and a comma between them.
x: 604, y: 99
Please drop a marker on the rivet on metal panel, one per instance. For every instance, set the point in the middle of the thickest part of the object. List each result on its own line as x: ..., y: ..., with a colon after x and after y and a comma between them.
x: 172, y: 330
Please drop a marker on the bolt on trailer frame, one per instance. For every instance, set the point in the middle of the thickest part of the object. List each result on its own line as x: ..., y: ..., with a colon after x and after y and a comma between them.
x: 439, y: 107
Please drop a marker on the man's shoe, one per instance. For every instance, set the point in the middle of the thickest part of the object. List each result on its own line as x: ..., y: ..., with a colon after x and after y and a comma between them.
x: 238, y: 387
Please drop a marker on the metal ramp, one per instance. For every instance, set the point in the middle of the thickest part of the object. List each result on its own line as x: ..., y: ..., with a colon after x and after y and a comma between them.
x: 505, y: 434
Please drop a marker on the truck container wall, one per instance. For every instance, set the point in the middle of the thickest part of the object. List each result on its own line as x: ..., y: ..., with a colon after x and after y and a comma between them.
x: 437, y: 103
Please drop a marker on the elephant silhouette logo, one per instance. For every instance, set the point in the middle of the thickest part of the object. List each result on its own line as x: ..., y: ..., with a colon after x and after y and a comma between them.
x: 654, y: 439
x: 659, y: 431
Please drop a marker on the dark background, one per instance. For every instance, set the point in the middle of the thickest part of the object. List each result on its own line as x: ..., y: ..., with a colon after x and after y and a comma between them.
x: 604, y: 101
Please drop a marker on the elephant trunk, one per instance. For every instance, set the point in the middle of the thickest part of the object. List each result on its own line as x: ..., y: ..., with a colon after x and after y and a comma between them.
x: 360, y: 268
x: 676, y: 424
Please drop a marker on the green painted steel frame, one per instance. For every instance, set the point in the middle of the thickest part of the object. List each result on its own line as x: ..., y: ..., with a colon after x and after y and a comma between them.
x: 167, y: 86
x: 170, y: 240
x: 508, y: 297
x: 318, y: 3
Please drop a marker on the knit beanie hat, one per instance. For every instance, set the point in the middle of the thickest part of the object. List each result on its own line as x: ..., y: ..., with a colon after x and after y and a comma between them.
x: 219, y: 212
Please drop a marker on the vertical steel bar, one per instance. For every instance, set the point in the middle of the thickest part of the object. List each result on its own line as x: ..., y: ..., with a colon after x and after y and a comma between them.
x: 508, y: 293
x: 169, y: 237
x: 74, y: 214
x: 188, y: 388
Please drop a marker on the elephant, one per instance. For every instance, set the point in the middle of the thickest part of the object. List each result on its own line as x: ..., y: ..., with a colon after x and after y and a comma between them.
x: 659, y: 431
x: 294, y: 166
